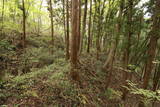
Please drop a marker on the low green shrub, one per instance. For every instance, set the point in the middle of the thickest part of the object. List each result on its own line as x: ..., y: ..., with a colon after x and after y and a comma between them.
x: 113, y: 94
x: 147, y: 96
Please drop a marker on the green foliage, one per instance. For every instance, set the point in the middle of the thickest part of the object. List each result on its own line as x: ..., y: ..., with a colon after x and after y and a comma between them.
x: 113, y: 94
x: 31, y: 93
x: 4, y: 106
x: 38, y: 42
x: 48, y: 68
x: 6, y: 51
x: 134, y: 68
x: 5, y: 47
x: 46, y: 59
x: 62, y: 69
x: 147, y: 96
x: 29, y: 77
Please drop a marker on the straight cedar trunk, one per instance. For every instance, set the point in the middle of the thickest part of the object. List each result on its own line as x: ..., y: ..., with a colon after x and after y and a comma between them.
x: 154, y: 36
x: 89, y: 28
x: 75, y: 40
x: 84, y: 24
x: 75, y: 32
x: 98, y: 49
x: 67, y: 36
x: 126, y: 59
x: 79, y: 26
x: 24, y: 24
x: 39, y: 19
x: 2, y: 73
x: 151, y: 55
x: 100, y: 12
x: 139, y: 32
x: 64, y: 19
x: 92, y: 28
x: 94, y: 22
x: 99, y: 31
x: 64, y: 25
x: 52, y: 28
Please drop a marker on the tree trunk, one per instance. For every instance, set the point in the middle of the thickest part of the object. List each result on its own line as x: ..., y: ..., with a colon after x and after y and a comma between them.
x: 149, y: 64
x: 98, y: 49
x: 75, y: 32
x: 79, y: 26
x: 127, y: 50
x: 154, y: 36
x: 139, y: 32
x: 84, y: 24
x: 24, y: 23
x: 67, y: 39
x: 52, y: 28
x: 64, y: 25
x: 39, y: 19
x: 2, y: 73
x: 64, y: 19
x: 100, y: 12
x: 89, y: 28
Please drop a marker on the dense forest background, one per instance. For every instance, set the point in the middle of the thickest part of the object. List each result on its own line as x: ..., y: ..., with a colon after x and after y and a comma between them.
x: 80, y: 53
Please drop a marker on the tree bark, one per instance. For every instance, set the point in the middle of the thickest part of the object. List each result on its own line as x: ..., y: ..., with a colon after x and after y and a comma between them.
x: 100, y: 12
x: 139, y: 32
x: 79, y: 26
x: 89, y: 27
x: 75, y: 32
x: 64, y: 25
x: 84, y: 24
x: 39, y: 19
x: 154, y: 36
x: 24, y: 23
x: 97, y: 10
x: 126, y: 75
x: 64, y: 19
x: 52, y: 28
x: 67, y: 39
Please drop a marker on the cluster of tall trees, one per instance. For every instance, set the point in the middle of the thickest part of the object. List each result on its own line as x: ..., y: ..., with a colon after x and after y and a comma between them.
x: 122, y: 29
x: 123, y: 26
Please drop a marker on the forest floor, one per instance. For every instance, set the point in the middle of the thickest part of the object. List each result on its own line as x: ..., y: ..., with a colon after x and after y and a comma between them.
x: 45, y: 80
